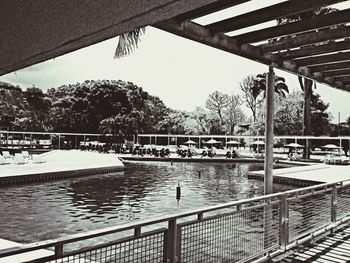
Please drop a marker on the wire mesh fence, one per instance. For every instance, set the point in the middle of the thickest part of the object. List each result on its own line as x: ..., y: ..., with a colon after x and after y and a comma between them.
x: 146, y: 248
x: 232, y: 237
x: 343, y: 201
x: 309, y: 213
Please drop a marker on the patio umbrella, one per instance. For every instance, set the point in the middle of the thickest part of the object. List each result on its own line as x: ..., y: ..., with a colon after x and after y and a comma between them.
x: 258, y: 143
x: 212, y: 141
x: 189, y: 142
x: 233, y: 142
x: 331, y: 146
x: 294, y: 145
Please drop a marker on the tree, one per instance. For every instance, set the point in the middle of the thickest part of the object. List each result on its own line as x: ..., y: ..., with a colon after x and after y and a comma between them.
x: 217, y: 102
x: 289, y: 115
x: 320, y: 119
x: 128, y: 42
x: 201, y: 116
x: 233, y: 113
x: 254, y: 91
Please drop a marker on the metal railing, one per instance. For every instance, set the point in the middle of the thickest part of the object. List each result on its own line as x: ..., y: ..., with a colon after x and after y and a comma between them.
x: 240, y: 231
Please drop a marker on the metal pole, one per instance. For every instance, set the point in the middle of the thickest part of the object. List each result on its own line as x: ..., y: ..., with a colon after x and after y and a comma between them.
x: 268, y: 164
x: 307, y: 114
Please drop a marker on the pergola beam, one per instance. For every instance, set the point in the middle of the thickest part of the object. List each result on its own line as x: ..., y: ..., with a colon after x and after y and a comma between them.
x: 305, y: 25
x: 329, y: 67
x: 306, y: 39
x: 316, y: 50
x: 267, y: 14
x: 208, y: 9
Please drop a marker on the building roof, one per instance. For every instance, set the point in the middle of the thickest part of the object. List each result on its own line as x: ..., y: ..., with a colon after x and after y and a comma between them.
x: 317, y: 47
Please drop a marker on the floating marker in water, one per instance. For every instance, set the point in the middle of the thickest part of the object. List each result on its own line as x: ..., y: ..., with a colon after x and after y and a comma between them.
x: 199, y: 174
x: 178, y: 191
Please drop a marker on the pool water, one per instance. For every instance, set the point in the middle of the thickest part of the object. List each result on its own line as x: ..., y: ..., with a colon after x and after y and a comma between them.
x: 53, y: 209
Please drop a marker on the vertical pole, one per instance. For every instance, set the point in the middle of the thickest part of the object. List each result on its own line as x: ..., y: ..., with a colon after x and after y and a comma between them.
x: 84, y: 139
x: 59, y: 141
x: 168, y: 140
x: 268, y: 164
x: 334, y: 204
x: 172, y: 240
x: 284, y: 222
x: 307, y: 114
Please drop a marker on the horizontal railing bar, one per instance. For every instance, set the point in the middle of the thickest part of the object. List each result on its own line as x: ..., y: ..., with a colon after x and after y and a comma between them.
x: 142, y: 223
x: 182, y: 135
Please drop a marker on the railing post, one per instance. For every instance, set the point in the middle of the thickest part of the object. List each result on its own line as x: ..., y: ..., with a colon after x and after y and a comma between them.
x: 172, y: 241
x: 284, y: 222
x: 334, y: 204
x: 59, y: 251
x: 137, y: 231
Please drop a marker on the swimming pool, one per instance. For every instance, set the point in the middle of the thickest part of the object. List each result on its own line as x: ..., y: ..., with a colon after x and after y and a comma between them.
x: 54, y: 209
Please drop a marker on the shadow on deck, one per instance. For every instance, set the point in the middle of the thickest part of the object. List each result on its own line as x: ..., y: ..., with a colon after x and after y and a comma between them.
x: 333, y: 248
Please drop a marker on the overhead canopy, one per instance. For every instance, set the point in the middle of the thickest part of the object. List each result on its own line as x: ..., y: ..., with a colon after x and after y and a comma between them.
x: 317, y: 47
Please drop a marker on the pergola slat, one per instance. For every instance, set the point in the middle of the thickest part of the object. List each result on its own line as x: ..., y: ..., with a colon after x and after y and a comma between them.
x: 316, y: 50
x: 306, y: 39
x: 344, y: 78
x: 328, y: 67
x: 208, y: 9
x: 342, y: 72
x: 267, y: 14
x: 329, y: 20
x: 317, y: 60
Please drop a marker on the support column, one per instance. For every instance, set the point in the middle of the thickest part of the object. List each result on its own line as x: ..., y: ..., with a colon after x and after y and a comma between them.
x: 307, y: 114
x: 268, y: 164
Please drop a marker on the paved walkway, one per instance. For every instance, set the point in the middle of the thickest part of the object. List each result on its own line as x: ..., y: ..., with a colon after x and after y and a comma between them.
x: 318, y: 173
x: 59, y: 161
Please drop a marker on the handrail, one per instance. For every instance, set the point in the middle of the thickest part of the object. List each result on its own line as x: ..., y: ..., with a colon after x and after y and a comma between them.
x: 142, y: 223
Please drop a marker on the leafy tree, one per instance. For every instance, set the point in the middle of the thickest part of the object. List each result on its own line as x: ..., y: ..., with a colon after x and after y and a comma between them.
x: 320, y: 118
x: 254, y: 91
x: 233, y: 113
x: 289, y: 115
x: 217, y: 102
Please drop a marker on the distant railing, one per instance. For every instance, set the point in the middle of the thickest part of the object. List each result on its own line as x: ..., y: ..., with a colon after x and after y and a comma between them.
x: 240, y: 231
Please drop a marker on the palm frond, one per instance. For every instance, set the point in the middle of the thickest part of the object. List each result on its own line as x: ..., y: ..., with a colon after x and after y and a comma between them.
x: 128, y: 42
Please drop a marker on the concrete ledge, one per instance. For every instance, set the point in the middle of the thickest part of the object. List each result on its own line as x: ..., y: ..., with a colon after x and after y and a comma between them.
x: 20, y: 179
x: 191, y: 160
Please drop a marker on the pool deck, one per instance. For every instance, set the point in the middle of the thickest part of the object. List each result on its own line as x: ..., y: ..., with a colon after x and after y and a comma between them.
x: 307, y: 175
x: 6, y: 244
x: 60, y: 164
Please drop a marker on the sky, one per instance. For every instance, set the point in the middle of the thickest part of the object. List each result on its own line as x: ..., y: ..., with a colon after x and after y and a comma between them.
x: 182, y: 73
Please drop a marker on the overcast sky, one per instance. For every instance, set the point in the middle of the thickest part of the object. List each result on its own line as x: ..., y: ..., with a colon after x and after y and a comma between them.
x: 180, y: 72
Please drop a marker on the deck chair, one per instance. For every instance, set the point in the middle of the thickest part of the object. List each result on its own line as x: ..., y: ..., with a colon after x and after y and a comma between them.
x: 3, y: 160
x: 6, y: 154
x: 38, y: 159
x: 19, y: 158
x: 26, y: 155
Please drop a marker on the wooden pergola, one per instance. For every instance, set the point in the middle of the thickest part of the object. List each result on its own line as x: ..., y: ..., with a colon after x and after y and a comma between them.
x: 316, y: 48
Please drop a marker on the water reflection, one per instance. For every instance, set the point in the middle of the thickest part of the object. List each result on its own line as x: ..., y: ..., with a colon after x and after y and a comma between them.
x: 48, y: 210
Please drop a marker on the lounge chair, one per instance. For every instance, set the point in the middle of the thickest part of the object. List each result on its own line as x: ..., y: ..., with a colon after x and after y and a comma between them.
x: 6, y: 154
x: 38, y: 159
x: 19, y: 158
x: 26, y: 155
x: 3, y: 160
